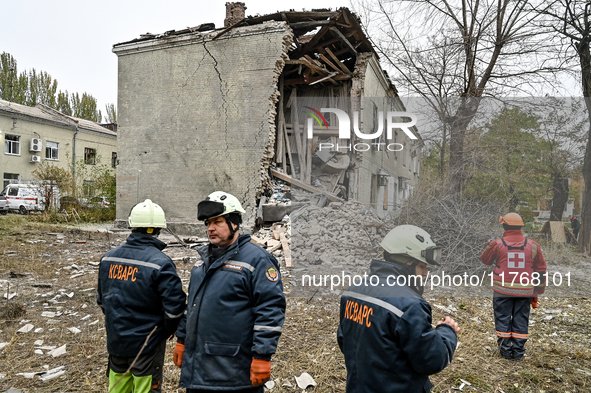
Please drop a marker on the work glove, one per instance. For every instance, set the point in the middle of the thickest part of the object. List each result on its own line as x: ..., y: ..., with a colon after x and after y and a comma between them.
x: 534, y: 302
x: 260, y: 371
x: 177, y: 354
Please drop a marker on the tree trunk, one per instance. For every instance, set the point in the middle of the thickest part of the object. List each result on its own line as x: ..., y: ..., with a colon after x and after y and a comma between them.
x: 457, y: 134
x: 559, y: 197
x: 585, y: 231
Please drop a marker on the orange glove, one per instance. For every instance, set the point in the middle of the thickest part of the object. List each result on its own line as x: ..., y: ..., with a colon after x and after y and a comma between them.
x: 534, y: 302
x: 260, y: 371
x: 177, y: 354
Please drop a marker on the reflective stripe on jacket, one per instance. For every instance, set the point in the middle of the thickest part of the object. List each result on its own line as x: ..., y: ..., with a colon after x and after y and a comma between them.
x: 235, y: 312
x: 386, y: 335
x: 138, y: 288
x: 516, y: 260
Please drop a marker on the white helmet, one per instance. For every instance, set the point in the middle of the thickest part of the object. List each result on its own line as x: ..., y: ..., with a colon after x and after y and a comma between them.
x: 217, y: 204
x: 412, y: 241
x: 147, y: 214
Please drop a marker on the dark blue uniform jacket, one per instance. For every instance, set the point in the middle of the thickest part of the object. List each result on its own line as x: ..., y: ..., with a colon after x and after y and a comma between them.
x: 235, y: 312
x: 138, y: 288
x: 387, y: 338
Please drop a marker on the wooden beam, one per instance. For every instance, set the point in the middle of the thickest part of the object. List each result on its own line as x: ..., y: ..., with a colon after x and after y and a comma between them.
x: 227, y: 29
x: 325, y: 59
x: 304, y: 186
x: 335, y: 58
x: 311, y: 65
x: 344, y: 39
x: 304, y: 25
x: 286, y: 250
x: 326, y: 78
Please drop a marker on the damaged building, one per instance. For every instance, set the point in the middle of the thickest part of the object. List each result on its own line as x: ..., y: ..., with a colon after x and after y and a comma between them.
x: 236, y: 108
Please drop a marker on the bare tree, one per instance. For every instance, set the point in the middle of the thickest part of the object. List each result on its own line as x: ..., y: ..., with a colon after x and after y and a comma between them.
x: 571, y: 20
x: 454, y: 53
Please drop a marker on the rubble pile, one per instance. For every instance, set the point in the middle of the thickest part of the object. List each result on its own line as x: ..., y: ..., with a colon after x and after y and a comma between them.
x: 340, y: 236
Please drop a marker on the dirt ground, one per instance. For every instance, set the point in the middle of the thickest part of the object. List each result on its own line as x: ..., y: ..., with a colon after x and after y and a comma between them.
x: 53, y: 272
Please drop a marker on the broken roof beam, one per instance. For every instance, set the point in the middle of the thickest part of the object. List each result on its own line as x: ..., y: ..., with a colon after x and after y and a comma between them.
x: 302, y: 81
x: 304, y: 186
x: 312, y: 65
x: 326, y: 78
x: 325, y: 59
x: 336, y: 59
x: 311, y: 24
x: 344, y: 39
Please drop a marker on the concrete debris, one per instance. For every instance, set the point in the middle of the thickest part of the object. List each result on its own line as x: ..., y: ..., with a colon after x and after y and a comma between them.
x: 9, y: 296
x: 93, y: 323
x: 287, y: 384
x: 2, y: 345
x: 305, y: 380
x: 74, y: 330
x: 26, y: 329
x: 270, y: 385
x: 38, y: 342
x: 38, y: 352
x: 48, y: 314
x: 38, y: 330
x: 53, y: 373
x: 59, y: 351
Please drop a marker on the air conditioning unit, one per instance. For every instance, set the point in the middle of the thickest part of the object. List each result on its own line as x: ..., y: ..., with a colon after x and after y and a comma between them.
x: 35, y: 144
x: 35, y: 159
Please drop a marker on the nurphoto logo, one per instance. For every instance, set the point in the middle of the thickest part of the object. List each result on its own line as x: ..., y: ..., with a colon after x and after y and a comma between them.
x: 393, y: 122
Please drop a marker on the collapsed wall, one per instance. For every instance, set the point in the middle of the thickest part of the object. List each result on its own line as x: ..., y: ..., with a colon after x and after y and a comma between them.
x: 196, y: 115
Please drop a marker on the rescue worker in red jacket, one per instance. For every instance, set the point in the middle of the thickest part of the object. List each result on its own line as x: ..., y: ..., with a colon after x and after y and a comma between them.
x: 519, y: 276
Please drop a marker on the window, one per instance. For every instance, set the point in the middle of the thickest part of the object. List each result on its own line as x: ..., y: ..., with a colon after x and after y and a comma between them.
x: 51, y: 150
x: 88, y: 188
x: 89, y: 156
x: 12, y: 144
x: 10, y: 178
x: 114, y: 159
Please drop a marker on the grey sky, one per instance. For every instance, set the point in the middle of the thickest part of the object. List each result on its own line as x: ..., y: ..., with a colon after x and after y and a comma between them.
x: 72, y: 39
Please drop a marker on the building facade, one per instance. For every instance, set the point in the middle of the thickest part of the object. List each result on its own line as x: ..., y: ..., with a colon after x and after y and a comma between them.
x: 33, y: 135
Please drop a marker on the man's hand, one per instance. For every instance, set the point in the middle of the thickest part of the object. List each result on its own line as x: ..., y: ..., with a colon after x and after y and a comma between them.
x: 449, y: 321
x: 260, y: 371
x: 177, y: 354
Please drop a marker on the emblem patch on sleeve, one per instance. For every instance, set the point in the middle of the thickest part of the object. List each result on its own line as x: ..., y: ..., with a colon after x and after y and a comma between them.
x: 272, y: 274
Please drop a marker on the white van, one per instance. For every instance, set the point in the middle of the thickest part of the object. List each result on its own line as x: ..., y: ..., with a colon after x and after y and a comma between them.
x: 28, y: 197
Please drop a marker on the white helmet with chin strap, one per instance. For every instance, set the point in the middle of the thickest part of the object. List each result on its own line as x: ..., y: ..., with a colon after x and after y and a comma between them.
x: 412, y: 241
x: 217, y: 204
x: 221, y: 204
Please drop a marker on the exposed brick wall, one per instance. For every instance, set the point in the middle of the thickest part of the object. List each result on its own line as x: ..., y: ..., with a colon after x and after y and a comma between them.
x: 197, y: 116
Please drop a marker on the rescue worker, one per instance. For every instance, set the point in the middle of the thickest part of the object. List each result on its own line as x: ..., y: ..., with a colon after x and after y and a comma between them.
x: 141, y: 296
x: 385, y: 329
x: 235, y: 308
x: 518, y: 278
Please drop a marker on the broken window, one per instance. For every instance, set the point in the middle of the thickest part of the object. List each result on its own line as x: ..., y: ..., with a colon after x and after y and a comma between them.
x: 89, y: 156
x: 51, y: 150
x: 114, y: 159
x: 12, y: 144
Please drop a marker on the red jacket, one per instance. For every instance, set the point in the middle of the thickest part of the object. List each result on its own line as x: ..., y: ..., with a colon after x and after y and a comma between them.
x: 520, y: 268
